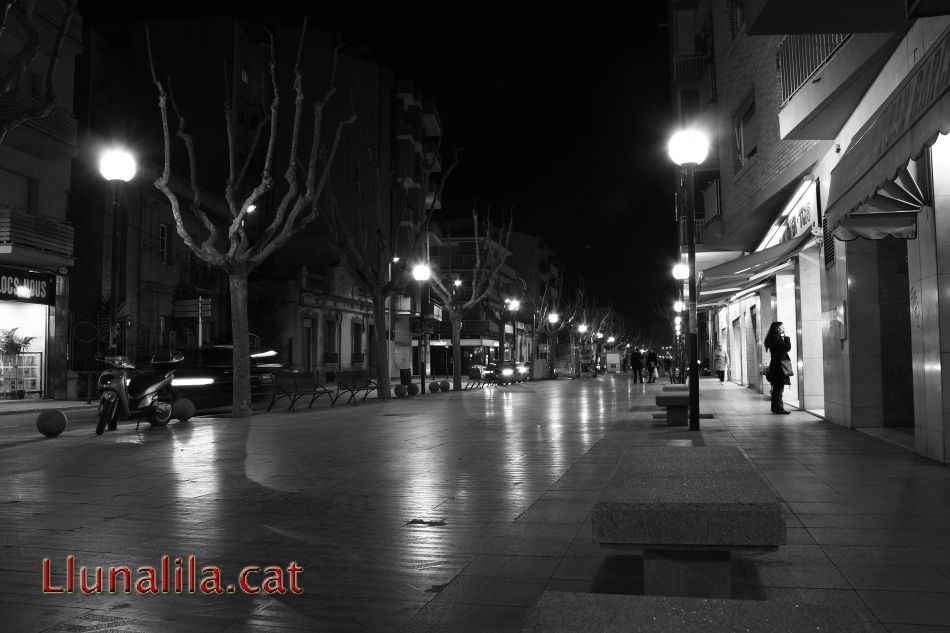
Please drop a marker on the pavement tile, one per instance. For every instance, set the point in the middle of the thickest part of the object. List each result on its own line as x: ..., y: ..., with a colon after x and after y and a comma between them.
x: 447, y: 513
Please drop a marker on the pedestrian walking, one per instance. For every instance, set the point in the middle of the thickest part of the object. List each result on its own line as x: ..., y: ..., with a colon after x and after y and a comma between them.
x: 780, y: 366
x: 720, y: 361
x: 652, y: 365
x: 636, y: 364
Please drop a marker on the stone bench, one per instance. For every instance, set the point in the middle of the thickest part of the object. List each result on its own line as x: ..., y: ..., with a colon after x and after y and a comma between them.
x: 677, y: 407
x: 688, y: 508
x: 563, y: 612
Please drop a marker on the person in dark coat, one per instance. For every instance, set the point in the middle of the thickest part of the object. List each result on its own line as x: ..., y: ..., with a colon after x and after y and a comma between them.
x: 778, y: 345
x: 652, y: 364
x: 636, y: 364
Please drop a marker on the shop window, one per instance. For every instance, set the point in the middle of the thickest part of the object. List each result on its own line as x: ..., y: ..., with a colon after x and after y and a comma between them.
x: 745, y: 133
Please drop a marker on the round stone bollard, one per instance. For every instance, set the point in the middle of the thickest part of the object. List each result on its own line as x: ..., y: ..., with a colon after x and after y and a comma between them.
x: 434, y: 386
x: 51, y: 422
x: 413, y: 389
x: 445, y: 385
x: 400, y: 391
x: 183, y: 409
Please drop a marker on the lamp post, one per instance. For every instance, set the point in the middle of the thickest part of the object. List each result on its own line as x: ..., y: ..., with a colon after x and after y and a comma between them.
x: 512, y: 306
x: 553, y: 319
x: 421, y: 273
x: 687, y: 149
x: 115, y: 165
x: 581, y: 330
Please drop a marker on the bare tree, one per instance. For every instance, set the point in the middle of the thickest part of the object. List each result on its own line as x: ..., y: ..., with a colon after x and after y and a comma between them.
x: 491, y: 250
x: 22, y: 60
x: 227, y: 245
x: 368, y: 253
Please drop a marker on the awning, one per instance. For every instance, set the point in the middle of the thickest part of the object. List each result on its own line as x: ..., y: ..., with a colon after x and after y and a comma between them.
x: 741, y: 269
x: 891, y: 212
x: 902, y: 128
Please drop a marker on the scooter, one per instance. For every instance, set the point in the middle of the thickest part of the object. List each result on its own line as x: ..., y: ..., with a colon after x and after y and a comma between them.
x: 127, y: 392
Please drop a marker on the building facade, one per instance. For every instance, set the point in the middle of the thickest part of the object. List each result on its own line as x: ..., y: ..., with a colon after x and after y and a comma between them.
x: 36, y: 236
x: 827, y: 208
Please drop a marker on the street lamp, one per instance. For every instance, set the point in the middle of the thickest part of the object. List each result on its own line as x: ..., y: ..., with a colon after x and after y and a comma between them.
x: 687, y: 149
x: 115, y: 165
x: 421, y: 273
x: 553, y: 318
x: 511, y: 306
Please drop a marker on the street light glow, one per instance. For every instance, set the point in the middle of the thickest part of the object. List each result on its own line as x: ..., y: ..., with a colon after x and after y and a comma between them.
x: 553, y: 318
x: 681, y: 271
x: 688, y: 147
x: 421, y: 272
x: 514, y: 304
x: 677, y: 320
x: 610, y: 339
x: 23, y: 292
x: 251, y: 208
x: 678, y: 306
x: 117, y: 164
x: 581, y: 328
x: 458, y: 282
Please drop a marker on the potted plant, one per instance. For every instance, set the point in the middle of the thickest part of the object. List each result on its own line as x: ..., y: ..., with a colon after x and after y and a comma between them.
x: 13, y: 345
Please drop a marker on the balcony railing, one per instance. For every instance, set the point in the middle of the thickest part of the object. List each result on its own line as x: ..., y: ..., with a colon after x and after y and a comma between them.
x: 35, y: 230
x: 59, y: 136
x: 690, y: 67
x: 801, y: 56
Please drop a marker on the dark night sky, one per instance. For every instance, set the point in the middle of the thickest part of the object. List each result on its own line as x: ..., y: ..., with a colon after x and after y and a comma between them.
x: 564, y: 114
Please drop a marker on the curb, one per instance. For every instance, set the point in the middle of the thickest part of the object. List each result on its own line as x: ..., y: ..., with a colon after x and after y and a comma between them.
x: 79, y: 407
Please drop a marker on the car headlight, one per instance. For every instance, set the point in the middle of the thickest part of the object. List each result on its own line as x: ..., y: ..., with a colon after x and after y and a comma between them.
x: 522, y: 370
x: 507, y: 371
x: 191, y: 382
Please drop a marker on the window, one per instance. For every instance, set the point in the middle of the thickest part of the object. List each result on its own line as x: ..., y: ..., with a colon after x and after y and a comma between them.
x: 745, y: 133
x: 164, y: 244
x: 329, y: 337
x: 736, y: 16
x: 356, y: 330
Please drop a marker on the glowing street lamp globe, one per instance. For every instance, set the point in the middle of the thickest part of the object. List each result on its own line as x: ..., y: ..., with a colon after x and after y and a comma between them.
x: 581, y: 328
x: 553, y: 318
x: 679, y: 306
x: 688, y: 147
x: 117, y: 164
x: 681, y: 271
x: 421, y: 272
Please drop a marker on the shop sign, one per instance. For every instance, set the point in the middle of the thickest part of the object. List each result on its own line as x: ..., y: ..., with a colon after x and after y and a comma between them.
x: 27, y: 287
x: 804, y: 214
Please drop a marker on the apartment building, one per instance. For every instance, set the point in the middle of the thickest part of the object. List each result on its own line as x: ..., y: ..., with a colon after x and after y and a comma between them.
x: 833, y: 212
x: 37, y: 251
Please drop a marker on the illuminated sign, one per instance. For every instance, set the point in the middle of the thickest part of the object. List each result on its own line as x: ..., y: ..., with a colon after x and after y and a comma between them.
x: 27, y: 287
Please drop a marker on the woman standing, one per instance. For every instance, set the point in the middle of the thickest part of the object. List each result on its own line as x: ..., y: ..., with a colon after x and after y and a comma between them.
x: 720, y: 362
x: 778, y: 345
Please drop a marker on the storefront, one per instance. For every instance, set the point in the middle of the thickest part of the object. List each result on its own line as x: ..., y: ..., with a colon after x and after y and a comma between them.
x: 779, y: 281
x: 26, y: 302
x: 887, y: 296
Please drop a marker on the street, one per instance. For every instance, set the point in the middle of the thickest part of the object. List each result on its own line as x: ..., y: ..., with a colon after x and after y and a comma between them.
x: 443, y: 512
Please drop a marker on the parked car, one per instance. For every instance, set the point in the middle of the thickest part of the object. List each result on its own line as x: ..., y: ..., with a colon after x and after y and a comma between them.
x: 206, y: 378
x: 508, y: 372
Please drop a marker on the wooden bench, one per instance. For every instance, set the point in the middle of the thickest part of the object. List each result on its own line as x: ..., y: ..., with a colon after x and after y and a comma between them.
x: 353, y: 382
x: 297, y: 385
x: 677, y: 407
x: 565, y: 612
x: 688, y: 508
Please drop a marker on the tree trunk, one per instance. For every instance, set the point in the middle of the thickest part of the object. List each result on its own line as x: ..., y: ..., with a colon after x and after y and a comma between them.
x: 456, y: 351
x: 552, y: 356
x: 382, y: 345
x: 241, y: 395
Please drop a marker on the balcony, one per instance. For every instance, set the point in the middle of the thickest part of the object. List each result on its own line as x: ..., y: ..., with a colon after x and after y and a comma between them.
x: 52, y: 137
x: 824, y: 77
x: 690, y: 67
x: 34, y: 239
x: 800, y: 57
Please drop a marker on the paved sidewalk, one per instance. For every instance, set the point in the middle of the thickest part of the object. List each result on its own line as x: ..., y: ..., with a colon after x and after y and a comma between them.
x: 448, y: 512
x: 11, y: 407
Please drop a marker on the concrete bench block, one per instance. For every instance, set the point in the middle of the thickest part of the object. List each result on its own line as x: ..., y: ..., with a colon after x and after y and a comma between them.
x: 563, y: 612
x: 672, y: 399
x: 688, y: 509
x: 669, y: 497
x: 676, y: 388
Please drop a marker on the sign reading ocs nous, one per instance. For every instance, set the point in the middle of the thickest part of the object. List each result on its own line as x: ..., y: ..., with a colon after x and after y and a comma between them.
x: 28, y: 287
